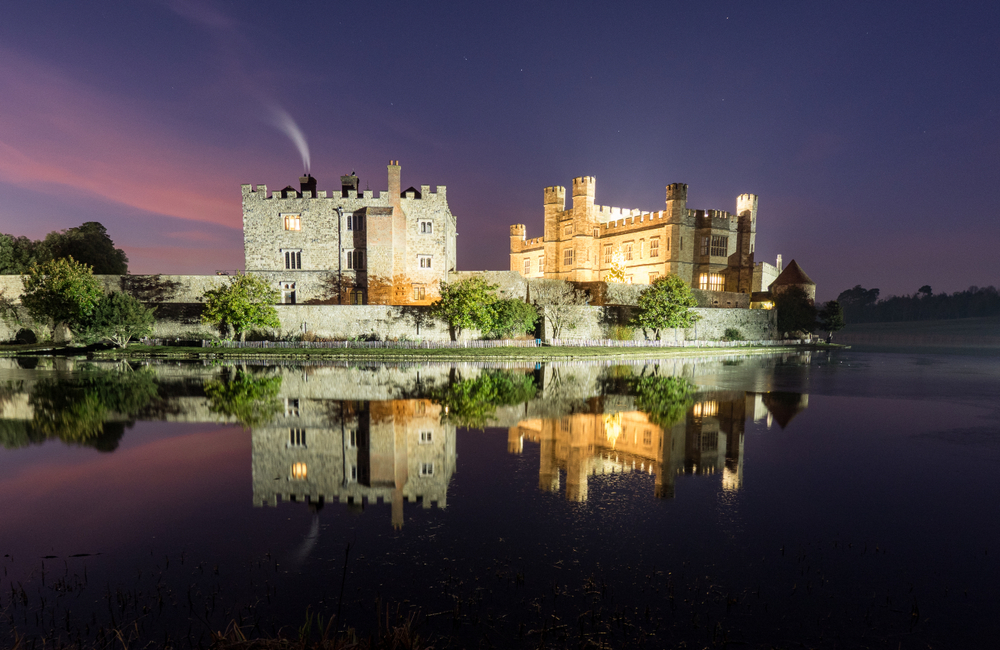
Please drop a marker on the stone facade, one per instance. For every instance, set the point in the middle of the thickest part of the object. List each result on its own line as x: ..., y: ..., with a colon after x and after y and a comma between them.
x: 708, y: 249
x: 347, y: 246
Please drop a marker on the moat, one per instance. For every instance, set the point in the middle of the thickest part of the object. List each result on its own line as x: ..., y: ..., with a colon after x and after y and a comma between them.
x: 832, y: 499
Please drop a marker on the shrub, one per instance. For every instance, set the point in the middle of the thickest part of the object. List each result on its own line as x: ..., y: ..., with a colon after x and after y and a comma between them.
x: 732, y: 334
x: 622, y: 333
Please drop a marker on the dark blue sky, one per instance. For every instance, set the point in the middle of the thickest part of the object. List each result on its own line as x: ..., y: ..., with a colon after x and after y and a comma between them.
x: 869, y: 130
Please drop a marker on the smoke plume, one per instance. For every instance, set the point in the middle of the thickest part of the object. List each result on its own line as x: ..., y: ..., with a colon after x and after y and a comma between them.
x: 287, y: 125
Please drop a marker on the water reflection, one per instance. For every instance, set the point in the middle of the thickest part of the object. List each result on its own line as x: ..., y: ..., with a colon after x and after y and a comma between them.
x: 355, y: 452
x: 378, y: 435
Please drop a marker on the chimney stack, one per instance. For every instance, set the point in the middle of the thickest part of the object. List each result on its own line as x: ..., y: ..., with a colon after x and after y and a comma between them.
x: 308, y: 184
x: 394, y: 183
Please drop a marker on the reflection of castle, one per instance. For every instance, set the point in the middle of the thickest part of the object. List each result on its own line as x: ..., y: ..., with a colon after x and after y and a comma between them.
x: 708, y: 441
x: 325, y: 450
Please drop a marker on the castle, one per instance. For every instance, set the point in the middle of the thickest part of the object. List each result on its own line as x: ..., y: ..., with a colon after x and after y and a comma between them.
x: 347, y: 246
x: 709, y: 249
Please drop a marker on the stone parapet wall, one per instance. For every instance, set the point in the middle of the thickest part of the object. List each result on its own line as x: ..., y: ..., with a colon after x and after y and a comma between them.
x: 598, y: 323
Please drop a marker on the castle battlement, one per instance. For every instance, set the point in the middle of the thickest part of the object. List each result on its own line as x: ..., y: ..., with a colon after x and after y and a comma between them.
x: 640, y: 219
x: 260, y: 192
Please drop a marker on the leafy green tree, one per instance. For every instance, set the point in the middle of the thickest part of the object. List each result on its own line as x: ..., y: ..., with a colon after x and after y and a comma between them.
x: 61, y: 291
x: 512, y: 317
x: 252, y: 400
x: 119, y: 317
x: 796, y: 313
x: 18, y: 254
x: 467, y: 304
x: 472, y: 402
x: 90, y: 244
x: 245, y: 302
x: 666, y: 303
x: 831, y: 318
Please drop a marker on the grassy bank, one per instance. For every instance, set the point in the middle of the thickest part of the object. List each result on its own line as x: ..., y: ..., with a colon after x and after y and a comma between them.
x: 541, y: 354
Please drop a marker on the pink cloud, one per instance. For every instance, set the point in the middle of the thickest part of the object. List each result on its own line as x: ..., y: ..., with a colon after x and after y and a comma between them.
x: 58, y: 135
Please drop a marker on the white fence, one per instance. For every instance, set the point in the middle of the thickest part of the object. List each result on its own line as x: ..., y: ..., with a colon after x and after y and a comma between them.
x: 459, y: 345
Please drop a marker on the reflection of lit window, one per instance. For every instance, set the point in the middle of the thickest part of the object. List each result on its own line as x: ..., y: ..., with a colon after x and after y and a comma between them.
x: 292, y: 222
x: 419, y: 292
x: 647, y: 437
x: 706, y: 409
x: 709, y: 440
x: 354, y: 473
x: 296, y: 437
x: 420, y: 407
x: 299, y: 471
x: 427, y: 469
x: 426, y: 437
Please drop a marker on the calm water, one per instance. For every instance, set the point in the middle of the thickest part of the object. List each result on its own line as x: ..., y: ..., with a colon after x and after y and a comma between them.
x: 844, y: 500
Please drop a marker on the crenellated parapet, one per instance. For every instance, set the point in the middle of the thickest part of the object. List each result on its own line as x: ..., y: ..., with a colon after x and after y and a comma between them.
x: 260, y: 192
x: 637, y: 220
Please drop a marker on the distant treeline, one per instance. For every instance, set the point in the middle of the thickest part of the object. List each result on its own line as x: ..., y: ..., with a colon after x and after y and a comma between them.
x: 88, y: 243
x: 863, y: 305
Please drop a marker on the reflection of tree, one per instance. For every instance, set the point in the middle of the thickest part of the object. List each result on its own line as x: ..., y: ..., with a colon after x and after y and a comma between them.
x: 665, y: 400
x: 77, y: 410
x: 252, y: 400
x: 472, y: 402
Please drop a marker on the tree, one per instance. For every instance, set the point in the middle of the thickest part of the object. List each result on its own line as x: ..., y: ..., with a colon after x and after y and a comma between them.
x: 512, y: 317
x: 90, y: 244
x: 61, y: 291
x: 617, y: 271
x: 466, y: 304
x: 831, y: 317
x: 18, y: 254
x: 666, y: 303
x: 246, y: 301
x: 119, y: 317
x: 557, y: 301
x: 795, y: 311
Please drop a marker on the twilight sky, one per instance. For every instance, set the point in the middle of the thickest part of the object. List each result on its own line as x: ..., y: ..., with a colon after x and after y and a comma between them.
x: 870, y: 130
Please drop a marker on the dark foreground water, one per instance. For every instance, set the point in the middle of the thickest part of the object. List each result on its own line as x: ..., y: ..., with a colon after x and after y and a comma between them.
x: 831, y: 501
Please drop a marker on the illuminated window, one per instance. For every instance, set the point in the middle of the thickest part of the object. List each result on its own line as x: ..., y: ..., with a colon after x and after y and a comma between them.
x: 356, y: 260
x: 711, y: 281
x: 424, y: 261
x: 293, y: 259
x: 299, y: 472
x: 426, y: 437
x: 357, y: 297
x: 418, y: 292
x: 654, y: 247
x: 293, y: 222
x: 568, y: 257
x: 427, y: 469
x: 720, y: 245
x: 426, y: 227
x: 296, y: 437
x: 527, y: 265
x: 607, y: 253
x: 628, y: 250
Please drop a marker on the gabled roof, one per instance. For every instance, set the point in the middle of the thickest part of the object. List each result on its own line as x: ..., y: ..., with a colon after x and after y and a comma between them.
x: 793, y: 274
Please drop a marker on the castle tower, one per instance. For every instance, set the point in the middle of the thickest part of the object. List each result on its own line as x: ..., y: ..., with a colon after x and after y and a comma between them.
x: 739, y: 275
x: 681, y: 231
x: 583, y: 193
x: 516, y: 244
x: 555, y: 205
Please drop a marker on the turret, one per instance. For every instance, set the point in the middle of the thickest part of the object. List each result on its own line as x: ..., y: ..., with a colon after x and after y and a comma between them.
x: 677, y: 196
x: 555, y: 202
x: 747, y: 203
x: 516, y: 236
x: 583, y: 192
